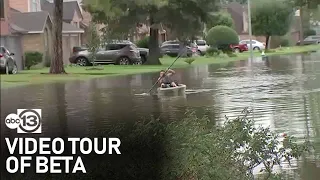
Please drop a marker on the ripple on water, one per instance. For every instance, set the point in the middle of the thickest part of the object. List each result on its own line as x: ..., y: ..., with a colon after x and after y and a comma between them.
x: 284, y: 93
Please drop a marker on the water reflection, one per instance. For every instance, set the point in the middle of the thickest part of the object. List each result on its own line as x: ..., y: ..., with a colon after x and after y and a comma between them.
x: 285, y: 93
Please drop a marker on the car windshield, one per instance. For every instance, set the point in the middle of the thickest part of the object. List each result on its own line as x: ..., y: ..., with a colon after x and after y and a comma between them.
x: 201, y: 43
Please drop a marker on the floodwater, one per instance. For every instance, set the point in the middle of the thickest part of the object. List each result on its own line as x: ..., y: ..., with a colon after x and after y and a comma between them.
x: 284, y: 92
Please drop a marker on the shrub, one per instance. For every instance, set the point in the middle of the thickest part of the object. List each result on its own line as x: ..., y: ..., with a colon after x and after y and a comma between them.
x: 189, y: 60
x: 213, y: 51
x: 284, y: 41
x: 196, y: 149
x: 32, y: 58
x: 221, y: 37
x: 309, y: 32
x: 231, y: 54
x: 143, y: 43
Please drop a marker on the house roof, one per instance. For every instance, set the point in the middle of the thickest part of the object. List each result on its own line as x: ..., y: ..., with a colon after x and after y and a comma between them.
x: 68, y: 9
x: 69, y: 28
x: 16, y: 29
x: 236, y: 10
x: 33, y: 22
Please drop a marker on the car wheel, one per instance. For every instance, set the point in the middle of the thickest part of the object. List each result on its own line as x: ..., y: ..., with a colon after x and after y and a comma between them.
x: 137, y: 62
x: 82, y: 61
x: 123, y: 61
x: 237, y: 50
x: 14, y: 69
x: 256, y: 49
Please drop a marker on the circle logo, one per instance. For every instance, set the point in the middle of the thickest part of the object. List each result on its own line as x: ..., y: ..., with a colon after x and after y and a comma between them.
x: 30, y: 120
x: 12, y: 121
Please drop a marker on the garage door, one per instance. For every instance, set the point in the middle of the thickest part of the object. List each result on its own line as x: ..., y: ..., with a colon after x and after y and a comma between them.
x: 13, y: 44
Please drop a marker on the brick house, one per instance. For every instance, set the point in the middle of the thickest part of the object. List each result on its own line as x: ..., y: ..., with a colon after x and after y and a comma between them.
x: 85, y: 24
x: 142, y: 30
x: 239, y: 14
x: 11, y: 34
x: 71, y: 30
x: 39, y: 31
x: 27, y: 21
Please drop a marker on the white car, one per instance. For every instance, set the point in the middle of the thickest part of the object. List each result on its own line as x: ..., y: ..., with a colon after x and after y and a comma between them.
x: 202, y: 46
x: 256, y: 45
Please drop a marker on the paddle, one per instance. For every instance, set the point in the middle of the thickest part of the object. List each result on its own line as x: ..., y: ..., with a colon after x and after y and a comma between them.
x: 164, y: 73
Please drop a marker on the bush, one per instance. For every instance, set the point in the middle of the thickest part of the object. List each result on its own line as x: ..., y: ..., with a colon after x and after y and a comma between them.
x: 221, y: 37
x: 231, y: 54
x: 213, y: 51
x: 189, y: 60
x: 143, y: 43
x: 284, y: 41
x: 32, y: 58
x: 309, y: 32
x: 197, y: 149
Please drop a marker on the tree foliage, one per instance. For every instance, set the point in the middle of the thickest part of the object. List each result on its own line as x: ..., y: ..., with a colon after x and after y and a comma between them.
x: 220, y: 18
x: 231, y: 1
x: 183, y: 17
x: 143, y: 43
x: 271, y: 18
x: 221, y: 37
x: 93, y: 41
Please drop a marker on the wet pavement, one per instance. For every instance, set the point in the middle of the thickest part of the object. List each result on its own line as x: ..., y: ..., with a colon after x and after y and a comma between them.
x: 284, y: 92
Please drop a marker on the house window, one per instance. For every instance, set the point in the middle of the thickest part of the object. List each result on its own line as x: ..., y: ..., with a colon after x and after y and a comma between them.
x: 1, y: 8
x: 34, y: 5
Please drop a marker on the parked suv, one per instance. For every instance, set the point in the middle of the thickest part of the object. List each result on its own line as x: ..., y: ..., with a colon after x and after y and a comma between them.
x: 120, y: 53
x: 7, y: 62
x: 310, y: 40
x: 174, y: 50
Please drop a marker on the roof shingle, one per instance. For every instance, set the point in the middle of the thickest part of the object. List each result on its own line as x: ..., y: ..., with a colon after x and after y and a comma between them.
x: 68, y: 9
x: 30, y: 21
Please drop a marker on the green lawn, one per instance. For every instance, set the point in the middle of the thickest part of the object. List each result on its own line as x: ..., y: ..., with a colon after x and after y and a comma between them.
x: 36, y: 76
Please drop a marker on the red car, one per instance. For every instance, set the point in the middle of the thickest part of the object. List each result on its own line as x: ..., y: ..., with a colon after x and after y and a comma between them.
x: 238, y: 48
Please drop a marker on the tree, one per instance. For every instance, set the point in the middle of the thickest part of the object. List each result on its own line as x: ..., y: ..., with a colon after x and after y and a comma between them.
x: 220, y: 18
x: 56, y: 66
x: 93, y: 42
x: 304, y: 6
x: 271, y: 18
x: 221, y: 37
x: 184, y: 17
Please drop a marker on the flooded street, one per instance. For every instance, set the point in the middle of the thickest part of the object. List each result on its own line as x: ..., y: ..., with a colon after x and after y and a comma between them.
x: 283, y: 91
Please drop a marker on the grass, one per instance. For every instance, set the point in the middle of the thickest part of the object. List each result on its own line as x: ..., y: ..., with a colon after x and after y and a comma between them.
x: 38, y: 76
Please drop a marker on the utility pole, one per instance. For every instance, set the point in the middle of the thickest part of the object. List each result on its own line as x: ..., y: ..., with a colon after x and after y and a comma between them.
x: 250, y: 30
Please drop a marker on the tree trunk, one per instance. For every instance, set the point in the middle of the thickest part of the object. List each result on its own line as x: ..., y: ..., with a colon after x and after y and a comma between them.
x: 154, y: 50
x: 56, y: 66
x: 301, y: 26
x: 267, y: 41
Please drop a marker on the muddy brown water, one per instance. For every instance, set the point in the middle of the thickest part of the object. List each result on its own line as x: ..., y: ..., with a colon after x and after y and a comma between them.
x: 284, y: 91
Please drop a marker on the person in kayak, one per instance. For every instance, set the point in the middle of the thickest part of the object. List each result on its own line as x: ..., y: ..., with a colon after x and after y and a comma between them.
x: 165, y: 80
